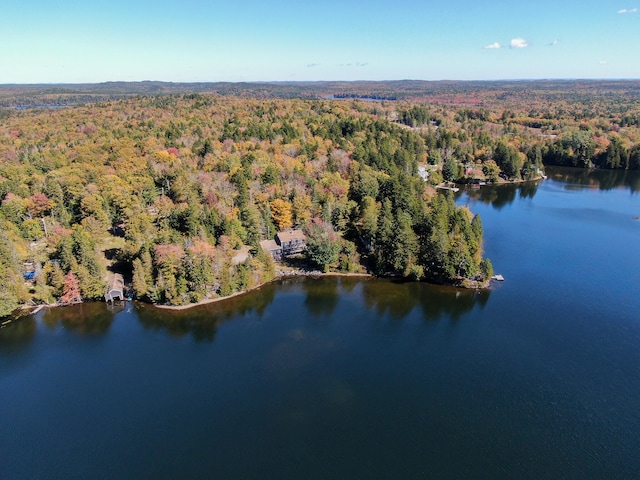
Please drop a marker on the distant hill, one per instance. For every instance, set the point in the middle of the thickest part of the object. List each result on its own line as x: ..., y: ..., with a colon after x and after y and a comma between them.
x: 479, y: 93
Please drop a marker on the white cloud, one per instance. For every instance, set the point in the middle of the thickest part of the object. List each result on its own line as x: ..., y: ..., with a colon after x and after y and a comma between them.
x: 603, y: 62
x: 554, y: 43
x: 630, y: 10
x: 311, y: 65
x: 492, y: 46
x: 518, y: 43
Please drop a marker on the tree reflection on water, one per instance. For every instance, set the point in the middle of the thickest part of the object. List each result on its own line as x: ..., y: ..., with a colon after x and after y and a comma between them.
x: 398, y: 299
x: 202, y: 321
x: 18, y: 333
x: 93, y: 318
x: 321, y: 297
x: 499, y: 196
x: 600, y: 179
x: 395, y: 299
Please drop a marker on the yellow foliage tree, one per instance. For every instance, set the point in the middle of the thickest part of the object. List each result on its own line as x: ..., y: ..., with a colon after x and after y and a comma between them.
x: 302, y: 208
x: 281, y: 213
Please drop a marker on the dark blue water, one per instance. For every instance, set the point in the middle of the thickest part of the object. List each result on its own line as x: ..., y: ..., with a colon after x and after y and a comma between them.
x: 331, y: 378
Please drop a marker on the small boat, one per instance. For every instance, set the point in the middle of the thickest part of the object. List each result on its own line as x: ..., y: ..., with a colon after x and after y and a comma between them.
x: 498, y: 277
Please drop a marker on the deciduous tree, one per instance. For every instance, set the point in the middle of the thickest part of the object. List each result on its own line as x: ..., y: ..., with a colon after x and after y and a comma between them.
x: 70, y: 290
x: 281, y: 213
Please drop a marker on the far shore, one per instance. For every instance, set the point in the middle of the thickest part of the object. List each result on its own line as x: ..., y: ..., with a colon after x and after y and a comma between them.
x: 503, y: 181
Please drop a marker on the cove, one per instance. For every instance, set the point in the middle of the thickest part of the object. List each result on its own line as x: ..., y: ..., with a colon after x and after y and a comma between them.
x: 320, y: 378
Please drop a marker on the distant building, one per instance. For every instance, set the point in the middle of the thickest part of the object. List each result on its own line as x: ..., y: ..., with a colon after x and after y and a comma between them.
x: 285, y: 244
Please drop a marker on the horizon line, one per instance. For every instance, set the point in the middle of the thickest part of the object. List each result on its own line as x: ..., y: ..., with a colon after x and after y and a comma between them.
x: 190, y: 82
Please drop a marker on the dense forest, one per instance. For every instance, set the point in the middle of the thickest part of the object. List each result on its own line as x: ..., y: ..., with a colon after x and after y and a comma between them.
x: 174, y: 190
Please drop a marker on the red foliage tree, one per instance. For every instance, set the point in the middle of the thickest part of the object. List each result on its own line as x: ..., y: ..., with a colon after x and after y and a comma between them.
x: 38, y: 204
x: 70, y: 289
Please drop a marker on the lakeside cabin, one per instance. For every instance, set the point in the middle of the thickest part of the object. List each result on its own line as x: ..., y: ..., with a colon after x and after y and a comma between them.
x: 272, y: 248
x: 285, y: 244
x: 292, y: 242
x: 116, y: 289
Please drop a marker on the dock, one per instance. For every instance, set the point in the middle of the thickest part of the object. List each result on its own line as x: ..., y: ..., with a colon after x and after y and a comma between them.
x: 498, y: 277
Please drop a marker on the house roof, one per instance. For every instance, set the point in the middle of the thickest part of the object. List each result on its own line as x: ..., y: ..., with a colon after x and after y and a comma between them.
x: 290, y: 235
x: 117, y: 282
x: 269, y: 245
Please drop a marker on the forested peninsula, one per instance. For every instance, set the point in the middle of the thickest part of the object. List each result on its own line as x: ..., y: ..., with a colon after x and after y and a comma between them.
x: 178, y: 192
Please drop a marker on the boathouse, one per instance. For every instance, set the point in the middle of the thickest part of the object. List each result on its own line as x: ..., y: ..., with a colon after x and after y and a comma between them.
x: 115, y: 289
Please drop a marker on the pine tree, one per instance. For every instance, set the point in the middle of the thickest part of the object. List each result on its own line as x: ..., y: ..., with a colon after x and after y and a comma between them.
x: 11, y: 282
x: 405, y: 247
x: 385, y: 239
x: 139, y: 278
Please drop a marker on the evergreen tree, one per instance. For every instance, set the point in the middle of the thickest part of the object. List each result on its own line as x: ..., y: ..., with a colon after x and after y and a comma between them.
x: 10, y: 277
x: 615, y: 156
x: 634, y: 158
x: 323, y: 245
x: 139, y: 280
x: 405, y: 247
x: 450, y: 170
x: 385, y: 239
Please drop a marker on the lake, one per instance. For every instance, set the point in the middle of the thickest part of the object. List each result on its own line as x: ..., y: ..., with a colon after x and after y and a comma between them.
x: 334, y: 378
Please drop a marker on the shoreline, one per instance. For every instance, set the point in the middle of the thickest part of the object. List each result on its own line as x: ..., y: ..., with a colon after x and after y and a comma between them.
x: 35, y: 309
x: 203, y: 302
x: 277, y: 277
x: 496, y: 184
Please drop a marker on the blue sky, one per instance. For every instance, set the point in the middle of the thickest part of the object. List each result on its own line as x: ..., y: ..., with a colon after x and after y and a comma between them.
x: 65, y: 41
